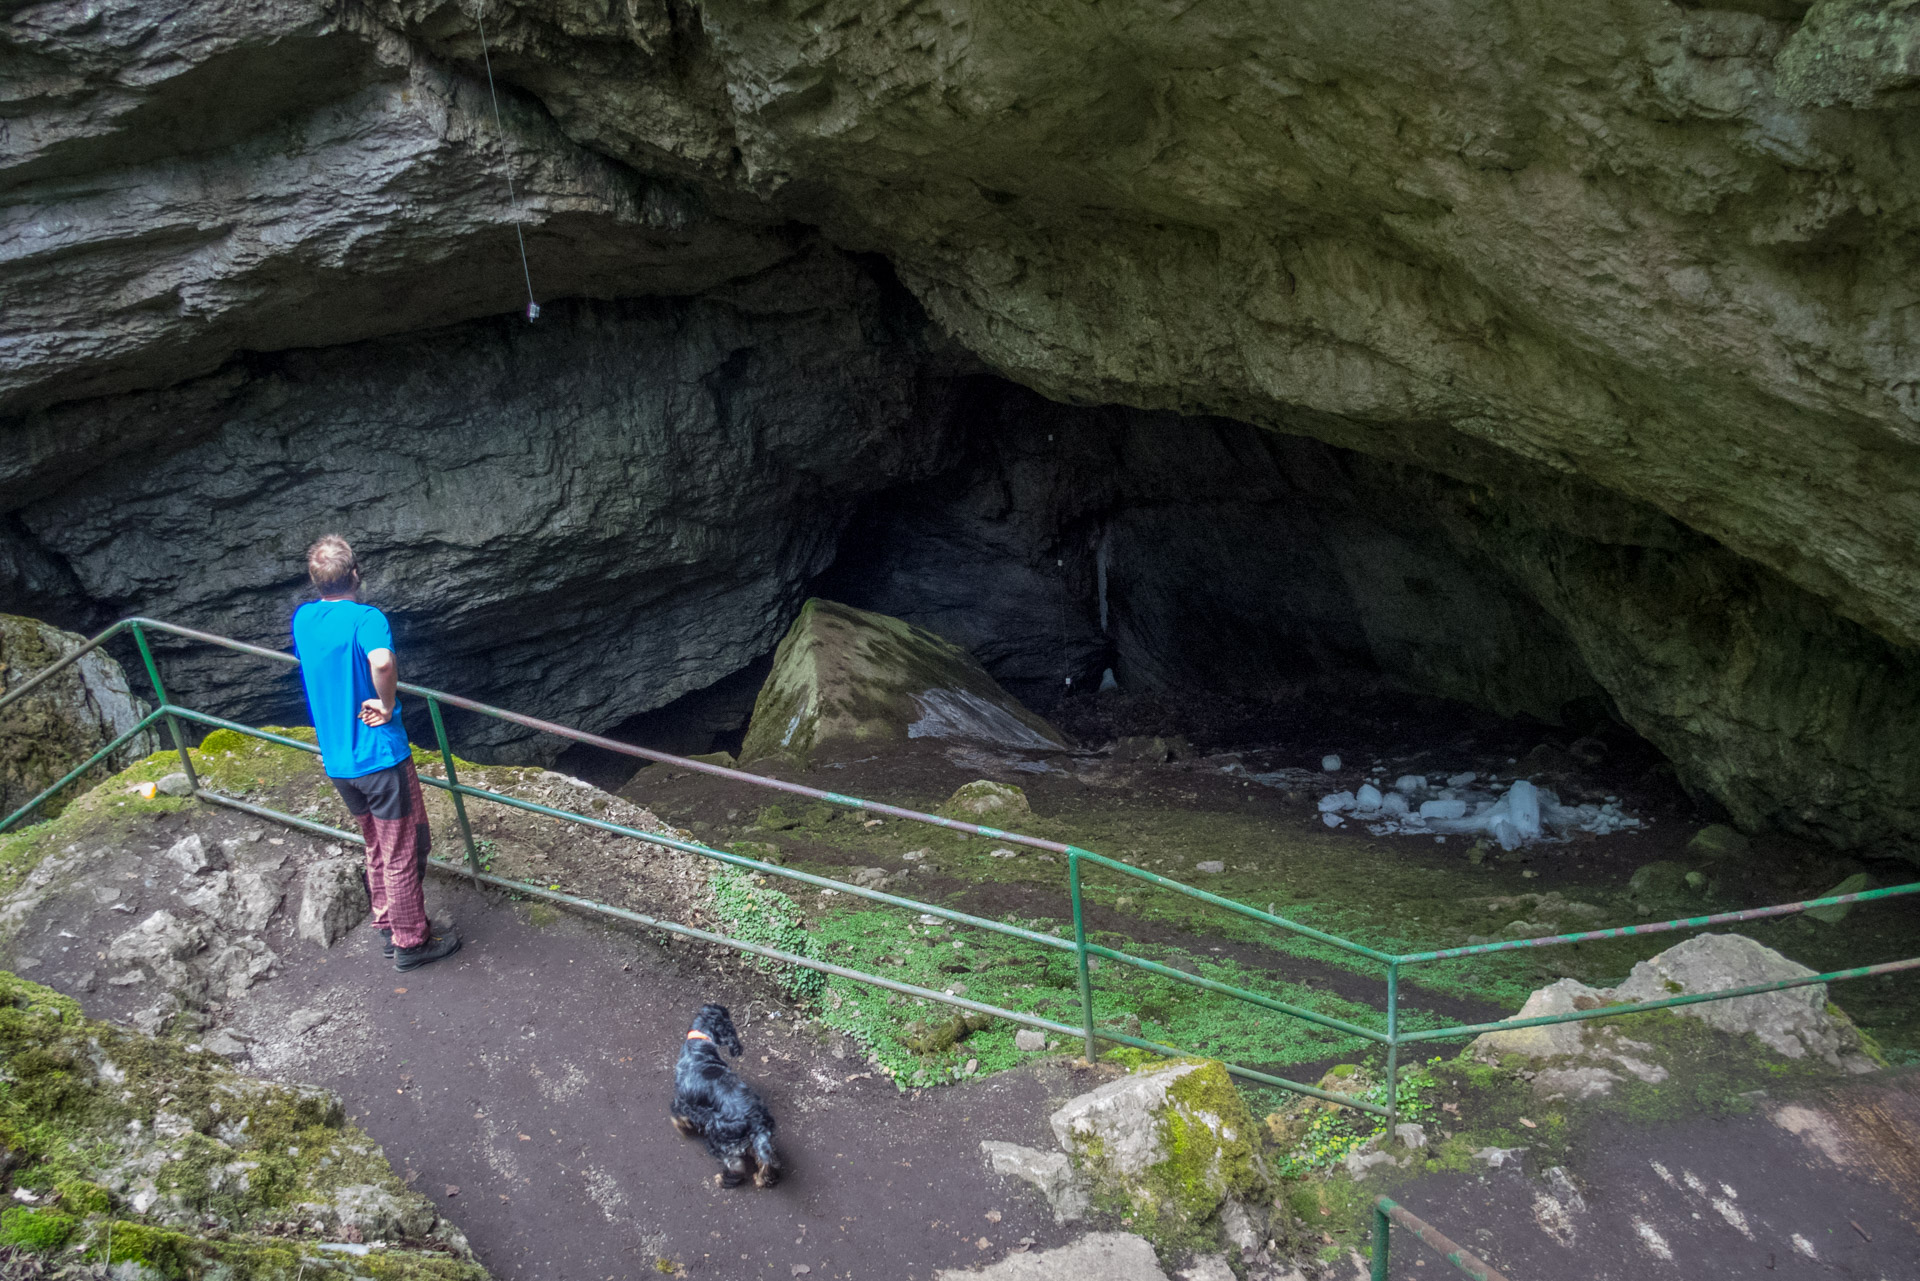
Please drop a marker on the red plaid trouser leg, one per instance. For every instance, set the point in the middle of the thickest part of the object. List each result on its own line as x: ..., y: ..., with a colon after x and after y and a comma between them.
x: 397, y: 850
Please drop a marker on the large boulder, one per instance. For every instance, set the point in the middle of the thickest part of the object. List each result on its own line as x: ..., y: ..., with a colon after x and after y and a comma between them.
x: 847, y: 679
x: 1174, y: 1147
x: 1796, y: 1022
x: 66, y: 720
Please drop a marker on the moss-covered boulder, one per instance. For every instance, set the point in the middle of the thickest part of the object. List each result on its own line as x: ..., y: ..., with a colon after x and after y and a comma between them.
x: 1174, y: 1150
x: 984, y: 800
x: 190, y: 1169
x: 66, y: 720
x: 847, y: 679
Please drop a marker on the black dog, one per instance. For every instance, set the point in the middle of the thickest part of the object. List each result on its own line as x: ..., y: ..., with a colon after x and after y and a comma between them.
x: 713, y: 1103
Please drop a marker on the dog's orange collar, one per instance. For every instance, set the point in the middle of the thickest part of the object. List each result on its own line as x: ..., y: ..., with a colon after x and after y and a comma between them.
x: 697, y: 1035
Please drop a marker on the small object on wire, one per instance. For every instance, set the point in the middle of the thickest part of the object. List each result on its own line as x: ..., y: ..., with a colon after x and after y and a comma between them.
x: 513, y: 203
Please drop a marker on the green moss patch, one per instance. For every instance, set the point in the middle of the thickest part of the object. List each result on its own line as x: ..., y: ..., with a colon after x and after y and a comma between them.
x: 152, y: 1145
x: 1025, y: 977
x: 751, y: 909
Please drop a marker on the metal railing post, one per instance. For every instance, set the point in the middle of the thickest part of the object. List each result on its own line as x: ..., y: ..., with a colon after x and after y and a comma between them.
x: 160, y: 693
x: 1393, y: 1048
x: 453, y: 790
x: 1382, y: 1232
x: 1080, y: 948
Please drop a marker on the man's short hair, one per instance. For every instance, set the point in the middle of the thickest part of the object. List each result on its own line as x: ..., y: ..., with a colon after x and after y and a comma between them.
x: 331, y: 566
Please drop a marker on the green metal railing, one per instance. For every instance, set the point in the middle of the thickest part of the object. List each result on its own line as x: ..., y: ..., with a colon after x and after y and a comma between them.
x: 1088, y: 1031
x: 1387, y: 1212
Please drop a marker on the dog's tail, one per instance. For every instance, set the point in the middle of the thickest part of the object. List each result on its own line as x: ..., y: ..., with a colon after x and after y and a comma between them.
x: 766, y: 1158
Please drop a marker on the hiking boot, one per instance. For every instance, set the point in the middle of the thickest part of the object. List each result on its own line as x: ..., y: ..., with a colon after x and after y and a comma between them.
x: 386, y: 938
x: 436, y: 947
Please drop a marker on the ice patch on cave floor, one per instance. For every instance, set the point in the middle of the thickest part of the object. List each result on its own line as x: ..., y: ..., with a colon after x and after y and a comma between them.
x: 1466, y: 805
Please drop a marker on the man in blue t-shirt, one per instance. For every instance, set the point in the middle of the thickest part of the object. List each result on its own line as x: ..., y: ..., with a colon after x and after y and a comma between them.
x: 347, y: 664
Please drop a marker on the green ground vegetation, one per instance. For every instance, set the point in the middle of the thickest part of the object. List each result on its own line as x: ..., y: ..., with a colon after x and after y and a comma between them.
x: 169, y: 1159
x: 1364, y: 891
x: 1032, y: 979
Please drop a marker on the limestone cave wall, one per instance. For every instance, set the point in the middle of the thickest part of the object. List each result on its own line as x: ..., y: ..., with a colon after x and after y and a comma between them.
x: 1530, y: 353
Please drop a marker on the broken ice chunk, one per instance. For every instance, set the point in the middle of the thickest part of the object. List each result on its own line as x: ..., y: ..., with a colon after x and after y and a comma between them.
x: 1368, y: 798
x: 1394, y: 803
x: 1463, y: 779
x: 1454, y: 808
x: 1335, y: 802
x: 1408, y: 784
x: 1332, y: 820
x: 1523, y: 802
x: 1330, y: 763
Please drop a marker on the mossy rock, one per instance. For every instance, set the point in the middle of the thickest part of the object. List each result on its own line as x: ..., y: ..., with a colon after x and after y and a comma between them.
x: 761, y: 851
x: 845, y: 679
x: 939, y: 1037
x: 194, y: 1161
x: 66, y: 720
x: 984, y: 800
x: 1172, y: 1148
x: 1658, y: 880
x: 1718, y: 841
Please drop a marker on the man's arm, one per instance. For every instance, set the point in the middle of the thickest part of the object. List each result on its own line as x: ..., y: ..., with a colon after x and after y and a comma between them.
x: 386, y: 682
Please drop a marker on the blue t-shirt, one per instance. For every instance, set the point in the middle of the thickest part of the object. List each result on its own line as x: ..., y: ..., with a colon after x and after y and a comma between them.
x: 332, y: 639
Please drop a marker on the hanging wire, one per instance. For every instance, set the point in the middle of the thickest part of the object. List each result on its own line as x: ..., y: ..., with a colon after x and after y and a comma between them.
x: 513, y: 202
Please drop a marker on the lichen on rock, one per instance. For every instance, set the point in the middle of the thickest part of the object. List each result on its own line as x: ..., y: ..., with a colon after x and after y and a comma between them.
x: 1173, y: 1147
x: 984, y: 799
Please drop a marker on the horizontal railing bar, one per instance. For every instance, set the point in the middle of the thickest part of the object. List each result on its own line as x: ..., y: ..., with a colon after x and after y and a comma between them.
x: 661, y: 838
x: 628, y: 749
x: 210, y: 638
x: 1227, y: 989
x: 739, y: 776
x: 773, y: 869
x: 1311, y: 1091
x: 220, y: 722
x: 1692, y: 998
x: 1254, y: 913
x: 1458, y: 1255
x: 291, y: 820
x: 142, y: 724
x: 1662, y: 927
x: 27, y: 687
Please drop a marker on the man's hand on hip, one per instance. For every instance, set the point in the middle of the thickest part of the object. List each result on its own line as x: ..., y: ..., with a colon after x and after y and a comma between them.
x: 374, y: 713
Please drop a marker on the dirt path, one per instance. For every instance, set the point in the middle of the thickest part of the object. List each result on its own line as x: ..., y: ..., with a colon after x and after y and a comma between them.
x: 532, y: 1074
x: 1823, y: 1186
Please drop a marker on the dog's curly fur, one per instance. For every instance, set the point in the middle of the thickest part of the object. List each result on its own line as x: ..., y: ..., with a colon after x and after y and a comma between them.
x: 711, y: 1102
